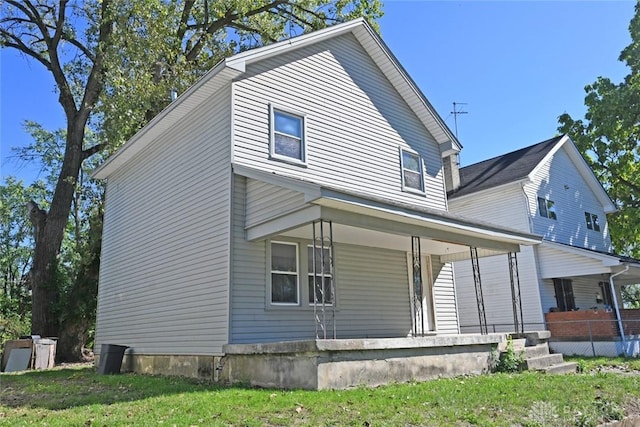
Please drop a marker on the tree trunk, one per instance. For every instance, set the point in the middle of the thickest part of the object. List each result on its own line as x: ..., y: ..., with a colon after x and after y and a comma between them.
x: 49, y: 230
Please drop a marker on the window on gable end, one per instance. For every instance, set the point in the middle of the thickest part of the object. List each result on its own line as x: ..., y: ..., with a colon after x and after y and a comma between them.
x: 412, y: 171
x: 592, y: 221
x: 287, y: 136
x: 546, y: 208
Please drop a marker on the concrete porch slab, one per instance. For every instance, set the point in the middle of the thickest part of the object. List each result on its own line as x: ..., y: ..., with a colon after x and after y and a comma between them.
x: 343, y: 363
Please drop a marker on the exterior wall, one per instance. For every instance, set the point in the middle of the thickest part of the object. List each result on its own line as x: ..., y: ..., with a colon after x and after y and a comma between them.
x: 355, y: 121
x: 164, y: 263
x: 446, y: 310
x: 266, y: 201
x: 556, y: 263
x: 496, y: 289
x: 559, y: 181
x: 506, y: 206
x: 584, y: 292
x: 372, y: 291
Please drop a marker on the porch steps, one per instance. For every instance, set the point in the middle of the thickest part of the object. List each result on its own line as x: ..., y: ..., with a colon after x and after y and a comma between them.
x: 535, y: 348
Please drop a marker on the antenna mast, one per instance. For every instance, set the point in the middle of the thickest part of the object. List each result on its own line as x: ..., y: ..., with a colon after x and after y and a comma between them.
x: 457, y: 109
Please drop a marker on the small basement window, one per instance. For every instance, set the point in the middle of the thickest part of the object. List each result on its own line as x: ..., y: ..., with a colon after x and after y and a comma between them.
x: 412, y: 173
x: 287, y: 136
x: 546, y: 208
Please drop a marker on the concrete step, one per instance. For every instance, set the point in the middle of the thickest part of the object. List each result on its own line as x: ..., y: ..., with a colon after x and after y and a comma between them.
x: 536, y: 350
x: 561, y: 368
x: 541, y: 362
x: 518, y: 345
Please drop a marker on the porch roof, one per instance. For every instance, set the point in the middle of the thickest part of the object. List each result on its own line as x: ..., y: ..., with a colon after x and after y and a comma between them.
x: 366, y: 220
x: 605, y: 262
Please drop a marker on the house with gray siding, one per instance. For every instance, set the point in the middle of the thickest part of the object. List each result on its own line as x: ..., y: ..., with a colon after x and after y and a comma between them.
x: 570, y: 283
x: 288, y: 214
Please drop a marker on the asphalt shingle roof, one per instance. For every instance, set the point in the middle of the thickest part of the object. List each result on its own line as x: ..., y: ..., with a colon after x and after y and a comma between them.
x: 503, y: 169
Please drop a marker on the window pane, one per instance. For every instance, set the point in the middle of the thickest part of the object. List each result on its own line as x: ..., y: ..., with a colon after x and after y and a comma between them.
x: 327, y: 260
x: 284, y: 288
x: 596, y: 224
x: 328, y: 296
x: 411, y: 161
x: 551, y: 210
x: 285, y: 123
x: 412, y: 180
x: 283, y: 257
x: 288, y: 146
x: 587, y: 217
x: 542, y: 207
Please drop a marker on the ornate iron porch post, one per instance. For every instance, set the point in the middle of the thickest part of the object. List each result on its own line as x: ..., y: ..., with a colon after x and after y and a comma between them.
x: 417, y: 305
x: 323, y: 268
x: 516, y: 300
x: 482, y: 317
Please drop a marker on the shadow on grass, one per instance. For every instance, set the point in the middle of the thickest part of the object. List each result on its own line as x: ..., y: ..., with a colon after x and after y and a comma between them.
x: 74, y: 387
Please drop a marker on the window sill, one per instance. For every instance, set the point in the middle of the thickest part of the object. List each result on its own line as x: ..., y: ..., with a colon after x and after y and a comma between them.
x: 288, y: 160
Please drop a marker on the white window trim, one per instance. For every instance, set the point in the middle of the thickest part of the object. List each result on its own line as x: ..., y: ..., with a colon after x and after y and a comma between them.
x: 594, y: 221
x: 405, y: 187
x: 272, y: 141
x: 546, y: 208
x: 297, y: 274
x: 310, y: 275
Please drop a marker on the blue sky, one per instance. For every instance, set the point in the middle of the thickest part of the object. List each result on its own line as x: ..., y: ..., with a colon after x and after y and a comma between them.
x: 517, y: 65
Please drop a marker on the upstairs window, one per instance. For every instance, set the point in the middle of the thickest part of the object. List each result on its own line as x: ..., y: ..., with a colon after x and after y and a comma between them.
x: 412, y: 175
x: 287, y: 136
x: 284, y: 273
x: 592, y: 221
x: 320, y: 279
x: 546, y: 208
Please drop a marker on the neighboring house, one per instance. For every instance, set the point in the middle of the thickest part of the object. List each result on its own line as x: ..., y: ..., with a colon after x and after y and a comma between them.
x: 295, y: 194
x: 565, y: 282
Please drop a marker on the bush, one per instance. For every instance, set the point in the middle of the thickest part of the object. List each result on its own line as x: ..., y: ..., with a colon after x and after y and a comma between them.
x: 509, y: 360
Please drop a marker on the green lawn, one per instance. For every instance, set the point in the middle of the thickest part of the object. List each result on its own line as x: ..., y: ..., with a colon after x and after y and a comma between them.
x: 80, y: 397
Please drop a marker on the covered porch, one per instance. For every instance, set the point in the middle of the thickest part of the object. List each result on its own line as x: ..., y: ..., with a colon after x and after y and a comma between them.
x: 377, y: 301
x: 583, y: 309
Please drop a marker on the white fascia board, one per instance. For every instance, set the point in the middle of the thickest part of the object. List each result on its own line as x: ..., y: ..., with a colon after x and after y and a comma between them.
x: 583, y: 169
x: 607, y: 260
x: 171, y: 114
x: 283, y: 223
x: 442, y: 222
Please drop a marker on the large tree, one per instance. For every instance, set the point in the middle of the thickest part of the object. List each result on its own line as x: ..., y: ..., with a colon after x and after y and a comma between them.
x: 609, y: 138
x: 114, y: 64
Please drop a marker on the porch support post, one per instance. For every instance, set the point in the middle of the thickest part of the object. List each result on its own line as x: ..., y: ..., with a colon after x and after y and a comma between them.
x: 516, y: 300
x: 323, y: 271
x: 482, y: 317
x: 417, y: 305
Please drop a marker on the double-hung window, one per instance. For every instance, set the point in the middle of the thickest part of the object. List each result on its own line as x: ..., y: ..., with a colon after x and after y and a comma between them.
x: 592, y: 221
x: 412, y: 173
x: 546, y: 208
x: 287, y: 136
x: 284, y: 273
x: 320, y: 278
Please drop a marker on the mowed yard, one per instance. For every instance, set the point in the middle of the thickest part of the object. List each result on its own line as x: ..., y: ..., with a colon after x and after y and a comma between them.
x: 607, y: 389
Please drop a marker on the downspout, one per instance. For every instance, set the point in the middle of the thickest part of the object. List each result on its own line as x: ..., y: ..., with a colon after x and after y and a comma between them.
x: 615, y: 305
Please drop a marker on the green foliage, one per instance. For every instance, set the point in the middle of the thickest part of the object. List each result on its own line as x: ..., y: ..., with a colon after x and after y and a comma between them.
x: 630, y: 296
x: 509, y: 360
x: 608, y: 139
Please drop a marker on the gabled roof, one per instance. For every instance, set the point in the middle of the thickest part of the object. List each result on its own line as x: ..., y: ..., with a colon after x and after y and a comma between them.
x: 230, y: 68
x: 521, y: 165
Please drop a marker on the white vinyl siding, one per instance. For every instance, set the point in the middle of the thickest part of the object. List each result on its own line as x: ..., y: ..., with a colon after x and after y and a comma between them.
x: 372, y: 292
x: 354, y: 120
x: 559, y: 180
x: 164, y: 262
x: 446, y: 311
x: 267, y: 201
x: 496, y: 291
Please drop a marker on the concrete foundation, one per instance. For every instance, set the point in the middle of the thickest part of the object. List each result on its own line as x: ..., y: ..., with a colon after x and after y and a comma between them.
x: 329, y: 364
x: 339, y: 364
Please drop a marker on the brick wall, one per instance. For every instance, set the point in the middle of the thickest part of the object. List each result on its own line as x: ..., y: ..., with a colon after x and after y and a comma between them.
x: 582, y: 324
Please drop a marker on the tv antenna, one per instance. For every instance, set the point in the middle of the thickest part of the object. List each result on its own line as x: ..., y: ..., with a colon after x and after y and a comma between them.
x: 458, y: 109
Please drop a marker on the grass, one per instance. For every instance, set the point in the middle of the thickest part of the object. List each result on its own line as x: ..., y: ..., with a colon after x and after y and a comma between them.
x: 80, y: 397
